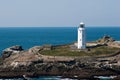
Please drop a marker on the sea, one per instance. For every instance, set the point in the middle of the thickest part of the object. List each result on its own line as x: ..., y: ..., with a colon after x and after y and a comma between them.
x: 28, y: 37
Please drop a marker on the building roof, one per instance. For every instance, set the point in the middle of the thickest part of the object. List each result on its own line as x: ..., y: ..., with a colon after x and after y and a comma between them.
x: 81, y: 23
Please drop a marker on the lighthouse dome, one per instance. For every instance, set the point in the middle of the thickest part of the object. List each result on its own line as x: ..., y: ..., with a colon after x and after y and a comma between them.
x: 82, y: 25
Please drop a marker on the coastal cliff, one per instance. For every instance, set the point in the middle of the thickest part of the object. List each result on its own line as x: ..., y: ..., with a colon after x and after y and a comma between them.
x: 60, y: 60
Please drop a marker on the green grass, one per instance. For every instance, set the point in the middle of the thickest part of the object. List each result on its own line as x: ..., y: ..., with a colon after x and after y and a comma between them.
x: 66, y: 51
x: 104, y: 50
x: 63, y: 53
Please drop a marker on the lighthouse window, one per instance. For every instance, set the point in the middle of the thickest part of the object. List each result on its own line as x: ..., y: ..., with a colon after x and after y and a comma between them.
x: 82, y: 26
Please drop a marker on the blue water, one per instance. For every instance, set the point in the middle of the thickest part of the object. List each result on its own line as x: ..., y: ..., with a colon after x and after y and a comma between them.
x: 32, y: 36
x: 29, y: 37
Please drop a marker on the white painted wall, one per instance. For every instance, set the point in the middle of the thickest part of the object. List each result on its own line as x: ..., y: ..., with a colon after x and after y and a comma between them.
x: 81, y: 36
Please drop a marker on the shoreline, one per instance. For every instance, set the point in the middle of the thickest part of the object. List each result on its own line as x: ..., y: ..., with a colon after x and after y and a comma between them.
x: 65, y: 75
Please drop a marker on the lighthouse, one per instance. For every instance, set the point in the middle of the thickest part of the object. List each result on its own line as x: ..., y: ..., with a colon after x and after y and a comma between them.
x: 81, y: 36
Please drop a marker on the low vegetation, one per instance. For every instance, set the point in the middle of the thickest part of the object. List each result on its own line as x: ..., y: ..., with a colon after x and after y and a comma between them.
x: 66, y: 51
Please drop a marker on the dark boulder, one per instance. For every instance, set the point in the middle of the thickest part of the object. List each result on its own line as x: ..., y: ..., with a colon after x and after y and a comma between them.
x: 8, y: 51
x: 6, y: 54
x: 16, y: 48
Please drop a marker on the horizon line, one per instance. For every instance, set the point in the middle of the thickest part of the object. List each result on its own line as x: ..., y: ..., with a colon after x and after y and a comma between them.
x: 50, y: 26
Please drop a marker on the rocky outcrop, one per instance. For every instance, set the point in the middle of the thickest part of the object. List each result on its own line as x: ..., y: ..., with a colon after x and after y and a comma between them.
x: 79, y: 68
x: 106, y: 39
x: 11, y: 50
x: 35, y: 49
x: 32, y: 63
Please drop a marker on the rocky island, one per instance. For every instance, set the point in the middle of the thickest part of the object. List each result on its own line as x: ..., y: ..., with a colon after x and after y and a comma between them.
x: 100, y: 58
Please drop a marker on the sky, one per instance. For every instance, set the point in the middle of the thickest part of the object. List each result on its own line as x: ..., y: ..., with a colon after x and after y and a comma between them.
x: 57, y: 13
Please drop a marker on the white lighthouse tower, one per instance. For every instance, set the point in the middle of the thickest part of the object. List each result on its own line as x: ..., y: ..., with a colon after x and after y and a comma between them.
x: 81, y: 36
